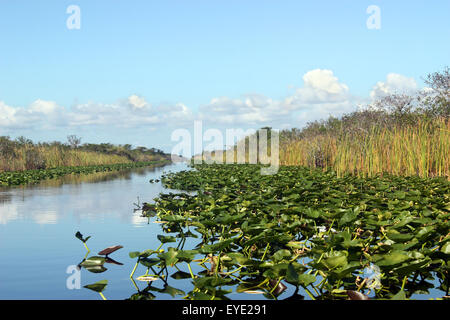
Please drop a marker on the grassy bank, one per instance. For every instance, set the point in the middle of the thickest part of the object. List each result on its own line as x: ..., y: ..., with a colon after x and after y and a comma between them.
x: 22, y: 154
x: 12, y: 178
x: 421, y: 149
x: 398, y: 134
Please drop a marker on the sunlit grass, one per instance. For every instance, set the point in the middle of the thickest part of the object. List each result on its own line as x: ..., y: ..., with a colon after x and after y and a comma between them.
x: 36, y: 157
x: 421, y: 150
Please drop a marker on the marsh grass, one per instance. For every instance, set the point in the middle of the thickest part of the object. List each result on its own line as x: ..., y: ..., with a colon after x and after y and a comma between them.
x: 30, y: 157
x: 22, y: 154
x: 422, y: 149
x: 397, y: 134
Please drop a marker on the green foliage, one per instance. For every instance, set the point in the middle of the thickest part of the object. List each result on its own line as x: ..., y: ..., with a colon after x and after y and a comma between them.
x: 22, y: 154
x: 98, y: 286
x: 307, y: 228
x: 34, y: 176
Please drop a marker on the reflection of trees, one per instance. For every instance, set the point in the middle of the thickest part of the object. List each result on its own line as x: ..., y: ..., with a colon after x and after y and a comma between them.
x: 75, y: 179
x: 4, y: 196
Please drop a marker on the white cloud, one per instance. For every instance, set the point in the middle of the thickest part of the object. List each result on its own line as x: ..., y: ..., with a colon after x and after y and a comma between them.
x: 45, y: 107
x: 137, y: 102
x: 322, y: 86
x: 7, y: 114
x: 126, y: 113
x: 321, y: 95
x: 395, y: 83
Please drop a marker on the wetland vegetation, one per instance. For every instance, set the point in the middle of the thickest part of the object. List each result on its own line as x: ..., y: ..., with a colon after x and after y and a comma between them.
x: 358, y: 210
x: 305, y: 228
x: 23, y: 162
x: 400, y: 134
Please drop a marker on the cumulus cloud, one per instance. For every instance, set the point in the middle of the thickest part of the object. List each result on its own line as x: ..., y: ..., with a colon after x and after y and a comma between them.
x: 45, y: 107
x: 44, y: 113
x: 131, y: 112
x: 395, y: 83
x: 137, y: 102
x: 250, y: 109
x: 321, y: 86
x: 7, y: 114
x: 321, y: 95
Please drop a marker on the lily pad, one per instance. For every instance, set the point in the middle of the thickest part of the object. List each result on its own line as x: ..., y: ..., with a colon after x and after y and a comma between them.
x: 98, y: 286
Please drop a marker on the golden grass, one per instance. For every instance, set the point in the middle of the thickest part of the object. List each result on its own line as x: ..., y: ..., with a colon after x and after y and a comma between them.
x: 38, y: 157
x: 423, y: 150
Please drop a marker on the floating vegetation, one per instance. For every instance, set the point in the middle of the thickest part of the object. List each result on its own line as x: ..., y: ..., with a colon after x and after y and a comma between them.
x: 327, y: 237
x: 78, y: 235
x: 109, y: 250
x: 95, y: 264
x: 98, y: 287
x: 13, y: 178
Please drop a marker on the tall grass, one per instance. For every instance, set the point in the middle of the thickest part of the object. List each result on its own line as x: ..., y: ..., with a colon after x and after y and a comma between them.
x: 22, y: 154
x: 422, y: 149
x: 42, y: 157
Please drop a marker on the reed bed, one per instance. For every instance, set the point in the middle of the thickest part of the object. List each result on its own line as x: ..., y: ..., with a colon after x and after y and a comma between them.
x: 40, y: 157
x: 422, y: 149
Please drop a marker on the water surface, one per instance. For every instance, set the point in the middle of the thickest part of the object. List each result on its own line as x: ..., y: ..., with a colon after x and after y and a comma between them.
x: 38, y: 224
x: 38, y: 245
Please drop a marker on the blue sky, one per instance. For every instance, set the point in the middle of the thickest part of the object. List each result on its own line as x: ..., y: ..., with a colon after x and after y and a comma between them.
x: 205, y: 58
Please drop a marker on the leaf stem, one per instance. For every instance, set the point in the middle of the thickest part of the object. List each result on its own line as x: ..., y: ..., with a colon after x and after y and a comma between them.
x: 134, y: 269
x: 265, y: 251
x: 190, y: 270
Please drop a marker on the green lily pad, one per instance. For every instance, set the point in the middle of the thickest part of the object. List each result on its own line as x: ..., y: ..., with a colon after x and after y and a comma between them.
x: 98, y: 286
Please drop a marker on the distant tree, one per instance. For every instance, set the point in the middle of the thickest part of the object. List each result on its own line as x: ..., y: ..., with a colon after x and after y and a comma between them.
x: 22, y: 141
x: 74, y: 141
x: 436, y: 99
x: 7, y: 149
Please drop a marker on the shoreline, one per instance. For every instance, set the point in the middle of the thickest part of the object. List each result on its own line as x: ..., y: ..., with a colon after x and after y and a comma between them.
x: 16, y: 178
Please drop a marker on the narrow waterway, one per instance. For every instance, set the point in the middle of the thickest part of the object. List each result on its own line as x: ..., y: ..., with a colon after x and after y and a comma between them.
x: 38, y: 223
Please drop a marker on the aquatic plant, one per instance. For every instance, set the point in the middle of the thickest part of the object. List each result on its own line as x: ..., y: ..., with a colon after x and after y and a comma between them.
x: 304, y: 229
x: 79, y: 236
x: 98, y: 287
x: 34, y: 176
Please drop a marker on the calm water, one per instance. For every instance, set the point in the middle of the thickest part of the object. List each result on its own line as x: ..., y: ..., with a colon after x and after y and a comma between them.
x: 37, y: 236
x: 38, y: 224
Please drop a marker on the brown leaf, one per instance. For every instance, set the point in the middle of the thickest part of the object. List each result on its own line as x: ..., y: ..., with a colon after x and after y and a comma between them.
x: 279, y: 289
x: 355, y: 295
x: 109, y: 250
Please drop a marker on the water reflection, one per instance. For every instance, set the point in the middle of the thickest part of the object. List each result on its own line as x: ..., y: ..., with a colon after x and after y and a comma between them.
x: 41, y: 221
x: 95, y: 197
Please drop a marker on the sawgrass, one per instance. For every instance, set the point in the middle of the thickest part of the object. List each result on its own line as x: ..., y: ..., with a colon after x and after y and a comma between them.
x: 40, y: 157
x: 422, y: 149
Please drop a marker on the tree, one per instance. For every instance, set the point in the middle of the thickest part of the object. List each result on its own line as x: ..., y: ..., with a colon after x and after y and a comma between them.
x: 74, y: 141
x: 437, y: 98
